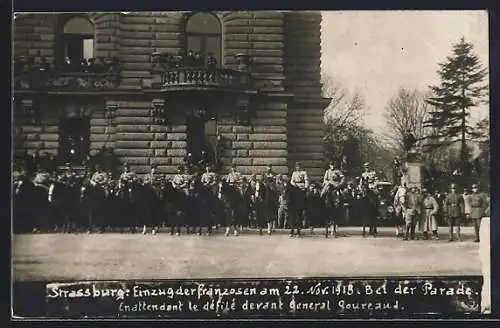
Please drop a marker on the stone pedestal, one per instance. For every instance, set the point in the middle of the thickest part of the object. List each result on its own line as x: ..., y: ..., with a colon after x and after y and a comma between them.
x: 413, y: 174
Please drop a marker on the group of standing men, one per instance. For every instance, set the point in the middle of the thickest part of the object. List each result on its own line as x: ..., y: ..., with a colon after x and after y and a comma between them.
x: 421, y: 207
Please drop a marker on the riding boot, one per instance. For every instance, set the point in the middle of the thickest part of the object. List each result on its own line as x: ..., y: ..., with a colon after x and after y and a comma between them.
x: 260, y: 231
x: 426, y: 235
x: 435, y: 235
x: 451, y: 233
x: 172, y: 230
x: 227, y: 231
x: 477, y: 223
x: 178, y: 230
x: 269, y: 228
x: 459, y: 236
x: 199, y: 231
x: 292, y: 232
x: 412, y: 232
x: 144, y: 229
x: 407, y: 232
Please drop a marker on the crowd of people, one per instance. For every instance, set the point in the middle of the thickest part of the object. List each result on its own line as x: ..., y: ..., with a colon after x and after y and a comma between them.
x: 268, y: 201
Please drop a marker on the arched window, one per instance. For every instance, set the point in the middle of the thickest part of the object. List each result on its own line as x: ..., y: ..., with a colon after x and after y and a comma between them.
x: 204, y: 34
x: 77, y: 39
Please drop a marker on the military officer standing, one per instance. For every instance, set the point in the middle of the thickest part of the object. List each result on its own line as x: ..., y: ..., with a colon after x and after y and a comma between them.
x: 453, y: 209
x: 427, y: 221
x: 334, y: 178
x: 413, y: 210
x: 478, y: 205
x: 269, y: 176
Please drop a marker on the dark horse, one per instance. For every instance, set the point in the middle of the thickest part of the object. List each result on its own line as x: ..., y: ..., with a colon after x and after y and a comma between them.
x: 92, y: 202
x: 227, y: 205
x: 135, y: 211
x: 23, y: 215
x: 199, y: 207
x: 180, y: 202
x: 368, y: 207
x: 298, y: 207
x: 153, y: 198
x: 64, y: 200
x: 334, y: 210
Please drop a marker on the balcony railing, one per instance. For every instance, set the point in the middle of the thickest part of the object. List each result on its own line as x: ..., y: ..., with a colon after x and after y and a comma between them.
x: 37, y: 75
x: 203, y: 78
x: 179, y: 72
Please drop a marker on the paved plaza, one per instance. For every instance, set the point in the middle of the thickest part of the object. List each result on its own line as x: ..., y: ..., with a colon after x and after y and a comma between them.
x: 162, y: 256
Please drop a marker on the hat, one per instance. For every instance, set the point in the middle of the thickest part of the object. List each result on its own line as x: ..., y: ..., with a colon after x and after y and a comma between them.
x: 366, y: 164
x: 424, y: 190
x: 297, y: 164
x: 453, y: 186
x: 474, y: 186
x: 331, y: 162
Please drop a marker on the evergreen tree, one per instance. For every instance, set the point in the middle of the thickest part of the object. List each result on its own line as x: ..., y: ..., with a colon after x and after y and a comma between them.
x: 460, y: 89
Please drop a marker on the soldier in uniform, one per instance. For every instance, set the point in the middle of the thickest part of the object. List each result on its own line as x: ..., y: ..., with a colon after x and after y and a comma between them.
x: 413, y: 203
x: 283, y: 201
x: 234, y: 177
x: 180, y: 183
x: 427, y: 221
x: 453, y: 210
x: 99, y: 178
x: 478, y: 205
x: 209, y: 178
x: 334, y: 178
x: 180, y: 180
x: 368, y: 177
x: 269, y: 178
x: 299, y: 180
x: 126, y: 177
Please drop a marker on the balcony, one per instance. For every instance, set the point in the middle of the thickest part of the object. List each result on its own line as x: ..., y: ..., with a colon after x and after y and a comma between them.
x: 35, y: 74
x: 177, y: 73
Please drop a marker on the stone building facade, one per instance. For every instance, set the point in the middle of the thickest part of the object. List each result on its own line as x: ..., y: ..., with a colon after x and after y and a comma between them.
x: 263, y: 99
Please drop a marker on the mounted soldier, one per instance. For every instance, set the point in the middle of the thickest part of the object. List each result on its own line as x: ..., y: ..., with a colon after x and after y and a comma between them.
x: 23, y: 216
x: 130, y: 194
x: 180, y: 183
x: 269, y: 179
x: 300, y: 184
x: 40, y: 200
x: 153, y: 183
x: 234, y: 177
x: 333, y: 179
x: 368, y: 177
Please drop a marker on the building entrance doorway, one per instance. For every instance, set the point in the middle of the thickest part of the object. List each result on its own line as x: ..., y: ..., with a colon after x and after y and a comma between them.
x: 74, y: 140
x: 200, y: 137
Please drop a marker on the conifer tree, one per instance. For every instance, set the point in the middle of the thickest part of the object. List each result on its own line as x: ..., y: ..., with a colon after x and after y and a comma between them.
x: 461, y: 88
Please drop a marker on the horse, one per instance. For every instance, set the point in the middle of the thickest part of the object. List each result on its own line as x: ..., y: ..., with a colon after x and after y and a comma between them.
x: 227, y: 198
x: 333, y: 202
x: 23, y: 216
x: 259, y: 201
x: 134, y: 209
x: 315, y: 211
x: 63, y: 197
x: 152, y: 198
x: 92, y: 202
x: 368, y: 202
x: 180, y: 202
x: 39, y: 208
x: 298, y: 207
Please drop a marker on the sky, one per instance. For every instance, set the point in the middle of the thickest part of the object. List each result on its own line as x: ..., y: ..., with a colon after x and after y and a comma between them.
x: 377, y: 52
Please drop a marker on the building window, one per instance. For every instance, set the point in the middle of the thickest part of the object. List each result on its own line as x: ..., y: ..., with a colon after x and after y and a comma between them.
x: 204, y: 34
x: 77, y: 40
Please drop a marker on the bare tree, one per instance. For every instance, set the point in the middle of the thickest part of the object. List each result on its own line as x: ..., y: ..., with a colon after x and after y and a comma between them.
x: 343, y: 119
x: 406, y: 111
x: 345, y: 109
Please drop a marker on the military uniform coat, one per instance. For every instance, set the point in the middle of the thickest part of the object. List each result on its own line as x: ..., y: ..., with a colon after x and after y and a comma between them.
x: 478, y: 204
x: 430, y: 208
x: 453, y: 206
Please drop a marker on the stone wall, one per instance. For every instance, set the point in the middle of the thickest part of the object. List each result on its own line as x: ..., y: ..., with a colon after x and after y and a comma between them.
x: 286, y: 58
x: 303, y: 79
